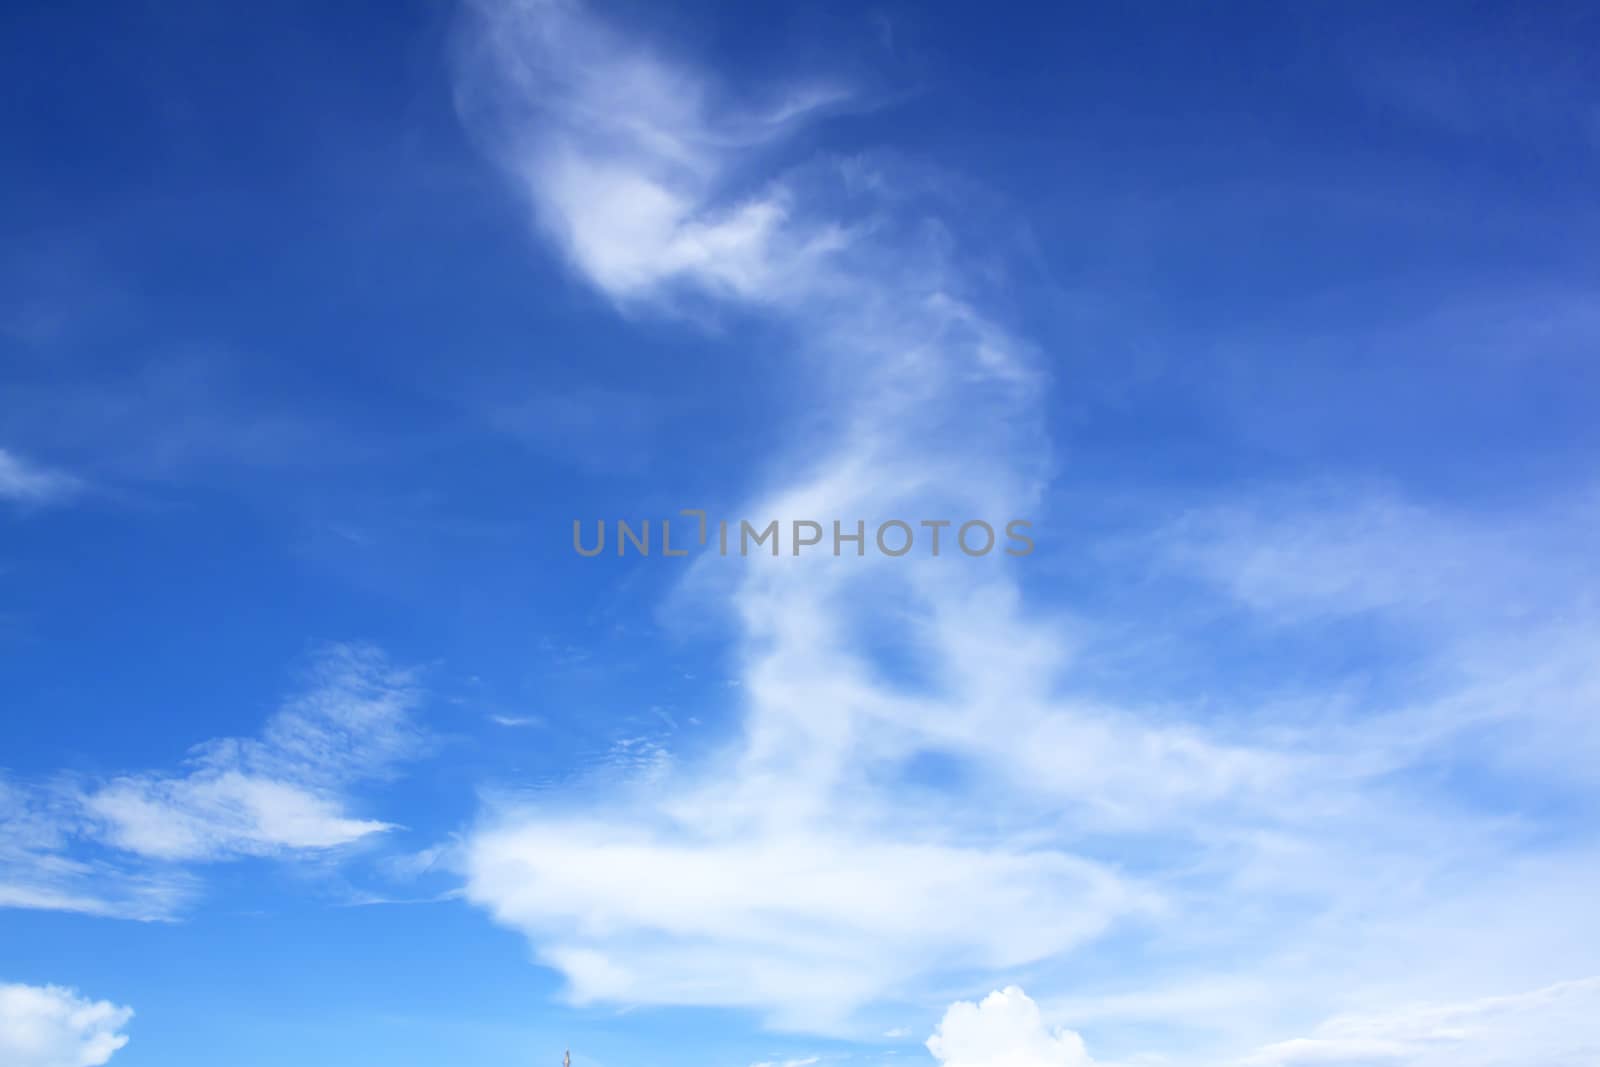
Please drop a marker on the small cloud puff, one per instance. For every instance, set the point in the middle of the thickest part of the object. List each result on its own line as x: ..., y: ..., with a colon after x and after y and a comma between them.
x: 1005, y: 1029
x: 49, y: 1026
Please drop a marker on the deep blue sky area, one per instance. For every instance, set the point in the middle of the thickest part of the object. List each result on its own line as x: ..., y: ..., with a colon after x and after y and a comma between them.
x: 321, y: 323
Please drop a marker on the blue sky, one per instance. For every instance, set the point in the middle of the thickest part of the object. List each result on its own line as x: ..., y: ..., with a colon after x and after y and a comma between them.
x: 320, y: 326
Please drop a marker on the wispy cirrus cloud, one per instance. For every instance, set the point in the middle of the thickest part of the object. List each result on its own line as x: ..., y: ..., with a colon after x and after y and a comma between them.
x: 118, y: 847
x: 1554, y: 1026
x: 926, y: 788
x: 1497, y: 610
x: 48, y: 862
x: 1339, y: 550
x: 24, y: 482
x: 625, y: 157
x: 279, y: 792
x: 790, y: 873
x: 172, y: 417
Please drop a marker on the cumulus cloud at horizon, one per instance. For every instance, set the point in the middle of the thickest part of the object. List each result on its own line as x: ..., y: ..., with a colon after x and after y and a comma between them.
x: 53, y: 1026
x: 1554, y: 1026
x: 1004, y: 1029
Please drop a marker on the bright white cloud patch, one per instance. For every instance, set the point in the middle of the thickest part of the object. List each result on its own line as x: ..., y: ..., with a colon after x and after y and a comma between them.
x: 48, y: 1026
x: 1004, y: 1029
x: 625, y: 168
x: 822, y: 920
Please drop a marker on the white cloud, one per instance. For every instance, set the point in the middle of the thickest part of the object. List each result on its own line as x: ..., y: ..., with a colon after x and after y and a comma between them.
x: 49, y: 1026
x: 813, y: 867
x: 1553, y: 1026
x: 48, y: 882
x: 113, y: 848
x: 278, y: 793
x: 1556, y: 1026
x: 1346, y: 550
x: 516, y: 720
x: 1498, y: 609
x: 627, y: 167
x: 27, y: 483
x: 787, y: 874
x: 1005, y: 1029
x: 805, y: 922
x: 39, y: 831
x: 213, y: 813
x: 803, y: 871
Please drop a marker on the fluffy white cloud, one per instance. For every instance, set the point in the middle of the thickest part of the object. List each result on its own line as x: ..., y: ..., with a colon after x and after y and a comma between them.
x: 48, y: 1026
x: 1004, y: 1029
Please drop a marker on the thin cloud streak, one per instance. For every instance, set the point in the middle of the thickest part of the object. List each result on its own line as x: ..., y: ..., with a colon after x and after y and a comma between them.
x: 120, y: 848
x: 23, y: 482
